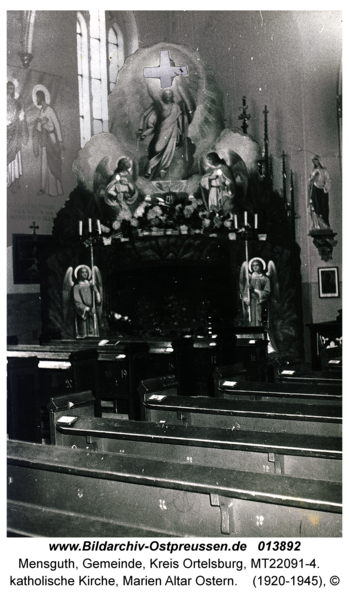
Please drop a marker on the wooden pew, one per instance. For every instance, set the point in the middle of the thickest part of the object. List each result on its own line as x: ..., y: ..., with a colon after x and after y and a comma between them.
x: 51, y: 372
x: 334, y: 365
x: 80, y: 404
x: 120, y: 368
x: 253, y: 353
x: 313, y: 457
x: 59, y: 492
x: 237, y: 372
x: 157, y: 385
x: 23, y: 399
x: 311, y: 378
x: 311, y: 419
x: 279, y: 392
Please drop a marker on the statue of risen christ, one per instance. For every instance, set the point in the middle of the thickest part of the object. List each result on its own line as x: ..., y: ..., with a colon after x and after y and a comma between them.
x: 167, y: 121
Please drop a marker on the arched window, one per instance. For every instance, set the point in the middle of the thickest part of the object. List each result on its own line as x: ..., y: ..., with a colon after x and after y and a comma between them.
x: 101, y: 53
x: 92, y: 75
x: 115, y: 54
x: 98, y: 72
x: 83, y: 79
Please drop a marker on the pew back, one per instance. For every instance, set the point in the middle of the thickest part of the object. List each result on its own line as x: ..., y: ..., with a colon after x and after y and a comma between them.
x: 279, y: 392
x: 311, y: 378
x: 158, y: 385
x: 312, y: 419
x: 55, y: 491
x: 69, y: 405
x: 313, y: 457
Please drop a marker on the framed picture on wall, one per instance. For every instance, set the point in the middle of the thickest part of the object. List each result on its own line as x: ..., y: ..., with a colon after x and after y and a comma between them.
x: 27, y: 250
x: 328, y: 282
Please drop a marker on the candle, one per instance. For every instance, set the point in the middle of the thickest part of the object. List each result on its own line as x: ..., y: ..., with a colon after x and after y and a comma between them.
x: 80, y: 228
x: 256, y: 221
x: 31, y: 30
x: 246, y: 221
x: 90, y: 225
x: 235, y: 221
x: 99, y: 226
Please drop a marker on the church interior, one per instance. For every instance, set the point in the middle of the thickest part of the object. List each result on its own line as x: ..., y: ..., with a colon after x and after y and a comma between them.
x: 174, y: 273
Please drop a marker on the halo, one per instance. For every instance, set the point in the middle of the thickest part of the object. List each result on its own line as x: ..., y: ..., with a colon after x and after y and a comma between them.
x: 80, y: 267
x: 41, y: 88
x: 260, y: 260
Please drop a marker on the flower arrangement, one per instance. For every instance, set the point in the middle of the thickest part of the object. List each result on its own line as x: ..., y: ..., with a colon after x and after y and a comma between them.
x: 169, y: 214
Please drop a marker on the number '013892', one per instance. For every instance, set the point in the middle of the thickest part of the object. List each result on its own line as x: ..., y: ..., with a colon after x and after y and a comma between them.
x: 280, y: 546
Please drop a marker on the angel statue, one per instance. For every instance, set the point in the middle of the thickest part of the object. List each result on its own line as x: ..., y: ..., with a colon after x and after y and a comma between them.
x: 258, y: 287
x: 219, y: 181
x: 115, y: 190
x: 83, y: 289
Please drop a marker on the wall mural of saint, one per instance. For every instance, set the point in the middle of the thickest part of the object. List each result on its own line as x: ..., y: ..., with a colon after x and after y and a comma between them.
x: 47, y: 143
x: 17, y: 133
x: 23, y: 166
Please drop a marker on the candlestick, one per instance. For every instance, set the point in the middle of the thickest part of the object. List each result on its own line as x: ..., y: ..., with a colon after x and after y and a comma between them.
x: 80, y: 228
x: 256, y: 221
x: 235, y: 221
x: 90, y: 225
x: 246, y: 221
x: 99, y: 226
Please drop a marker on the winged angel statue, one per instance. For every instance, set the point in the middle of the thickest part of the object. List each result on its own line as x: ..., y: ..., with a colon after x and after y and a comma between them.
x: 259, y: 292
x: 83, y: 292
x: 115, y: 190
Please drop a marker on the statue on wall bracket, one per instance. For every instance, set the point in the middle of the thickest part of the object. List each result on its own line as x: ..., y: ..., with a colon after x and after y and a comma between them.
x: 319, y: 188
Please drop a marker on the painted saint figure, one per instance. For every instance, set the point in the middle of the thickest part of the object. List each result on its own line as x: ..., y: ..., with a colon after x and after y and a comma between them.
x: 255, y: 291
x: 86, y: 295
x: 47, y: 136
x: 17, y: 134
x: 319, y: 188
x: 167, y: 122
x: 219, y: 182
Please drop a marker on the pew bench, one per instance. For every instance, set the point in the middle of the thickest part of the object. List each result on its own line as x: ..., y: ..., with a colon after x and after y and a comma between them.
x: 60, y: 492
x: 310, y: 377
x: 81, y: 404
x: 313, y: 457
x: 167, y: 384
x: 279, y: 392
x: 311, y: 419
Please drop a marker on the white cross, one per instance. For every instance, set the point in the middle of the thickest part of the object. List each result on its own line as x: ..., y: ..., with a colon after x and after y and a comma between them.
x: 166, y: 72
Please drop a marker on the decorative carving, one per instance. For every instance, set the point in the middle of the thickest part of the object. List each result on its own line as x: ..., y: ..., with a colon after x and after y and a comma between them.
x: 244, y: 116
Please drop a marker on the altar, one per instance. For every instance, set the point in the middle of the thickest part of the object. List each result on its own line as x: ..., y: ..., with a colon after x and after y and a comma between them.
x: 174, y: 228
